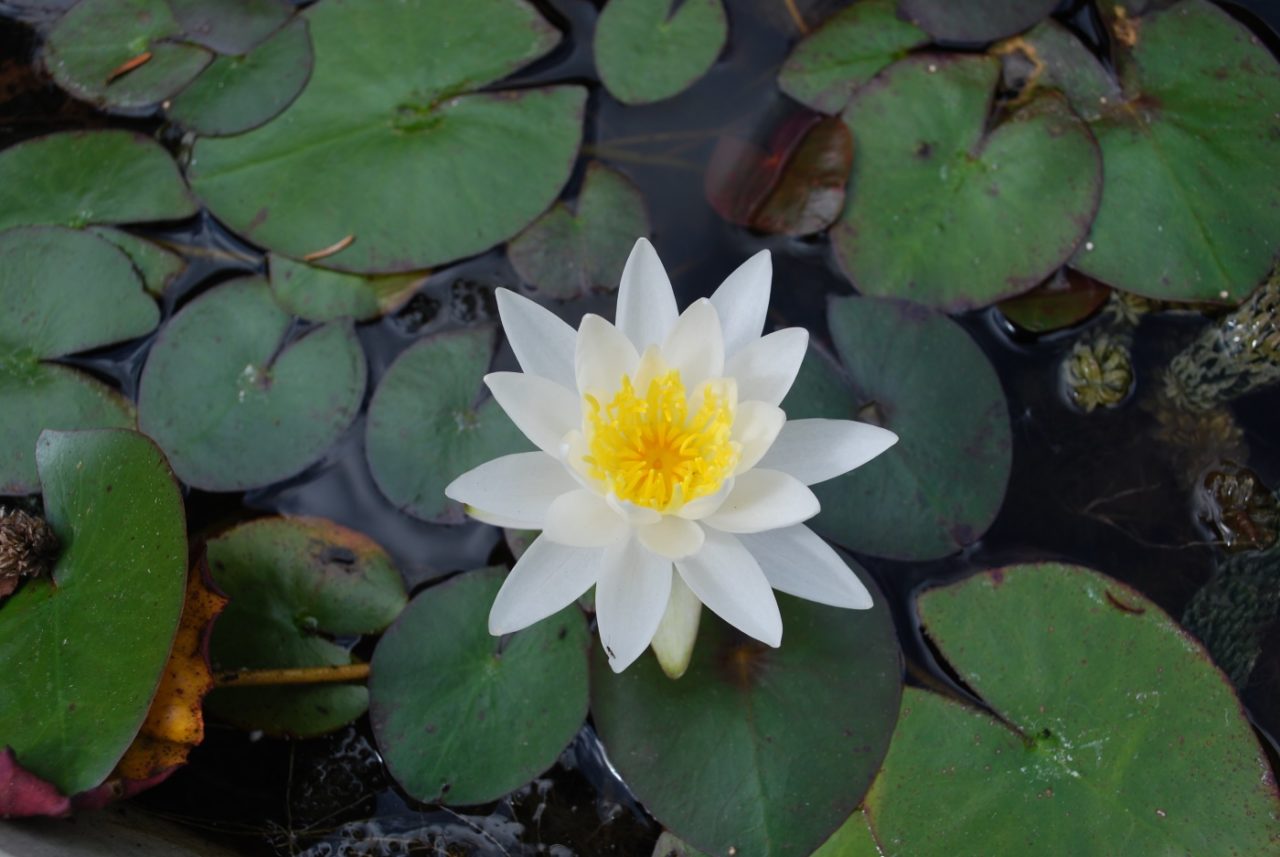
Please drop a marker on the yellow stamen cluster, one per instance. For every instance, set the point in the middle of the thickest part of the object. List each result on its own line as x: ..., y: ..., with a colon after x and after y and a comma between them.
x: 649, y: 450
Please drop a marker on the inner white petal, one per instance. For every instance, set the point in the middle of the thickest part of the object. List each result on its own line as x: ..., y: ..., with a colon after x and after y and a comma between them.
x: 755, y: 426
x: 603, y: 356
x: 695, y: 346
x: 581, y: 518
x: 646, y: 304
x: 742, y: 301
x: 672, y: 537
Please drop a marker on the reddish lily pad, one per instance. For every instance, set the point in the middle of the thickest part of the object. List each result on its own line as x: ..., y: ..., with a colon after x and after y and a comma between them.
x: 1067, y: 298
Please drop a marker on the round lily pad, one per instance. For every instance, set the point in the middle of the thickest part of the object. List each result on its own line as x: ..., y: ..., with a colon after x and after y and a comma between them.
x: 47, y: 312
x: 236, y: 400
x: 419, y: 170
x: 293, y: 583
x: 849, y: 49
x: 463, y: 717
x: 157, y: 266
x: 569, y: 253
x: 84, y: 650
x: 648, y: 50
x: 918, y: 374
x: 230, y: 26
x: 428, y: 423
x: 238, y: 93
x: 976, y: 20
x: 1192, y: 145
x: 90, y: 177
x: 947, y: 212
x: 318, y: 294
x: 1101, y: 708
x: 756, y: 750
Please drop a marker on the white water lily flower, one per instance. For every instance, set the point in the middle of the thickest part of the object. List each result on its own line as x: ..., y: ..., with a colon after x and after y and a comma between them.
x: 667, y: 474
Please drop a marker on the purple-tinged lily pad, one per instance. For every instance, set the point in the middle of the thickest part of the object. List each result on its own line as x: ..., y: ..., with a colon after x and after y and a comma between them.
x: 975, y: 20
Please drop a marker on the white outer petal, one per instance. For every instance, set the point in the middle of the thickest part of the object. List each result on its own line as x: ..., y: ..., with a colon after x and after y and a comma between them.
x: 726, y: 578
x: 514, y: 488
x: 766, y: 369
x: 542, y: 409
x: 816, y: 450
x: 631, y: 598
x: 603, y: 355
x: 646, y: 304
x: 672, y: 537
x: 764, y: 500
x: 695, y: 345
x: 755, y: 426
x: 678, y: 630
x: 542, y: 341
x: 742, y: 301
x: 581, y: 518
x: 797, y: 561
x: 548, y: 578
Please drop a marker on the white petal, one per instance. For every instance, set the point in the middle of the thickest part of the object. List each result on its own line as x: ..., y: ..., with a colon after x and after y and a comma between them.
x: 631, y: 597
x: 636, y: 515
x: 672, y: 537
x: 696, y: 510
x: 766, y: 368
x: 646, y: 304
x: 515, y: 488
x: 797, y: 561
x: 542, y: 341
x: 542, y: 409
x: 742, y: 301
x: 678, y: 630
x: 548, y: 578
x: 581, y: 518
x: 816, y: 450
x: 573, y: 452
x: 755, y: 425
x: 603, y: 356
x: 696, y: 344
x: 495, y: 519
x: 764, y: 500
x: 726, y: 578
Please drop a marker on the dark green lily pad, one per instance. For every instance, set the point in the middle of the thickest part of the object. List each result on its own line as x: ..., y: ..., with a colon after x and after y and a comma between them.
x: 1050, y: 56
x: 918, y: 374
x: 648, y: 50
x: 235, y: 401
x: 230, y: 26
x: 569, y: 253
x: 463, y: 717
x: 430, y: 421
x: 83, y: 651
x: 943, y: 210
x: 293, y: 583
x: 975, y: 20
x: 419, y: 170
x: 1192, y: 145
x: 238, y: 93
x: 1108, y: 712
x: 157, y: 266
x: 849, y: 49
x: 46, y: 312
x: 121, y: 53
x: 89, y: 177
x: 318, y: 294
x: 1067, y: 298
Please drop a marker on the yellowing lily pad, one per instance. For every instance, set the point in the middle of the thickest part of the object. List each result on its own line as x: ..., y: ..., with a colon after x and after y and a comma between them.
x: 421, y: 168
x: 649, y: 50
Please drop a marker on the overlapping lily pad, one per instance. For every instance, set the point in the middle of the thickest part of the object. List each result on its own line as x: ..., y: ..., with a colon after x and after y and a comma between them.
x: 756, y: 750
x: 463, y: 717
x: 569, y: 253
x: 1066, y: 298
x: 84, y: 650
x: 237, y: 399
x: 157, y: 266
x: 318, y: 294
x: 649, y: 50
x: 293, y: 583
x: 979, y: 21
x: 918, y: 374
x: 47, y: 312
x: 1102, y: 709
x: 230, y: 26
x: 1050, y: 56
x: 943, y: 210
x: 421, y: 168
x: 430, y: 421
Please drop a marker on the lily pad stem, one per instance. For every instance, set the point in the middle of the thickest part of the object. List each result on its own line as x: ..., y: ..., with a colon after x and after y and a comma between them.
x: 292, y: 675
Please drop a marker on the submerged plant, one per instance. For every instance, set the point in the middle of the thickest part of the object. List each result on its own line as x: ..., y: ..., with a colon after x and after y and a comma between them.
x: 662, y: 446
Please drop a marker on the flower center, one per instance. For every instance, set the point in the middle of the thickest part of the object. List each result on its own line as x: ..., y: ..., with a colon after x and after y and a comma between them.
x: 650, y: 450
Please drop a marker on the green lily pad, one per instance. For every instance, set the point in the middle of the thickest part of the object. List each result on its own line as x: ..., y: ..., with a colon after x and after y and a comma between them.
x: 230, y: 26
x: 943, y: 210
x: 849, y: 49
x: 648, y: 50
x: 419, y: 170
x: 292, y: 583
x: 463, y: 717
x: 1067, y: 298
x: 239, y: 93
x: 1109, y: 729
x: 569, y: 253
x: 46, y: 312
x: 121, y: 53
x: 918, y: 374
x: 157, y: 266
x: 853, y: 839
x: 84, y: 651
x: 90, y: 177
x: 1050, y: 56
x: 237, y: 403
x: 756, y: 750
x: 428, y: 424
x: 1191, y: 145
x: 976, y: 20
x: 318, y: 294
